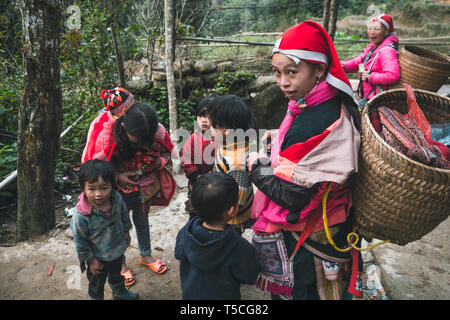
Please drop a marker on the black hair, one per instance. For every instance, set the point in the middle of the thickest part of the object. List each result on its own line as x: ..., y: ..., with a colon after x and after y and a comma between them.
x: 202, y: 109
x: 140, y: 121
x: 91, y: 170
x: 231, y: 112
x: 213, y: 194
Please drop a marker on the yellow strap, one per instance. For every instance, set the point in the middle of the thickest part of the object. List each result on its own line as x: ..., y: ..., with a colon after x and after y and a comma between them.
x: 356, y: 237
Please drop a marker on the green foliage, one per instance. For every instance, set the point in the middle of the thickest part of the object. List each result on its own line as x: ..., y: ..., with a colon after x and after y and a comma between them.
x: 11, y: 79
x: 231, y: 80
x: 88, y: 62
x: 8, y: 158
x: 157, y: 97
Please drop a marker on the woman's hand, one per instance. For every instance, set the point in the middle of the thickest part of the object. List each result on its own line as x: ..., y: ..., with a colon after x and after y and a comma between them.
x: 365, y: 76
x: 126, y: 181
x: 252, y: 157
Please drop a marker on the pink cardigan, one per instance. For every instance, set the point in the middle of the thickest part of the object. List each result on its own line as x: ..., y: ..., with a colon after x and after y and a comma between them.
x: 385, y: 69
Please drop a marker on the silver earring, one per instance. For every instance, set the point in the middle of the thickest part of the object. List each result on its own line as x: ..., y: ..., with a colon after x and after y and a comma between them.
x: 317, y: 82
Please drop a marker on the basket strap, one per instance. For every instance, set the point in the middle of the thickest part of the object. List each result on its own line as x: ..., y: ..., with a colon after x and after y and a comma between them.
x: 352, y: 245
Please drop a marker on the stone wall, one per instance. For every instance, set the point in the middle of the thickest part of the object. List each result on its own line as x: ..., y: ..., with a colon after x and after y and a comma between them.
x: 261, y: 94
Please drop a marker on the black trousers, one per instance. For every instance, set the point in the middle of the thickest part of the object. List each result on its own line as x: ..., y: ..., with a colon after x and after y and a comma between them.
x: 111, y: 271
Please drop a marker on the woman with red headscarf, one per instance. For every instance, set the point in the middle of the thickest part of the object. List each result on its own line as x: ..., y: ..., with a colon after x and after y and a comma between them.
x: 313, y: 153
x: 378, y: 64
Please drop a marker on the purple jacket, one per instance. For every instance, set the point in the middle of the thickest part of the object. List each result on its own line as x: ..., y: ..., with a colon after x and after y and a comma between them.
x: 385, y: 69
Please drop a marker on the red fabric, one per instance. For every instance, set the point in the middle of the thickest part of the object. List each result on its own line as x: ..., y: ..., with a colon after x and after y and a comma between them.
x: 374, y: 118
x: 415, y: 113
x: 100, y: 142
x: 445, y: 151
x: 297, y: 151
x: 101, y: 145
x: 163, y: 137
x: 387, y: 19
x: 117, y: 100
x: 168, y: 184
x: 356, y: 276
x: 311, y: 36
x: 193, y: 157
x: 310, y: 225
x: 163, y: 145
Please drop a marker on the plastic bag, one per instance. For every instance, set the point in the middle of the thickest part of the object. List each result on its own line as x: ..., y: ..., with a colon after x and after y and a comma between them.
x: 415, y: 113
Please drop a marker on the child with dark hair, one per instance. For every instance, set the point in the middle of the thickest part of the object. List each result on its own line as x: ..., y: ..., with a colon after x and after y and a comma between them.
x: 129, y: 134
x: 231, y: 119
x: 143, y: 147
x: 197, y: 155
x: 100, y: 138
x: 100, y: 225
x: 214, y: 259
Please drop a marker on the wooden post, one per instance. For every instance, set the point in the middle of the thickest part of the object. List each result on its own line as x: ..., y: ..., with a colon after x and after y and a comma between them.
x: 169, y: 60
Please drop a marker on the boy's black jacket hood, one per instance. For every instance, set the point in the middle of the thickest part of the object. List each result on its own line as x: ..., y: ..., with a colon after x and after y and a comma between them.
x: 206, y: 249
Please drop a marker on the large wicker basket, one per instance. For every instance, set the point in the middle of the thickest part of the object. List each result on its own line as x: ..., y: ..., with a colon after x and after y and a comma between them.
x: 422, y: 68
x: 397, y: 198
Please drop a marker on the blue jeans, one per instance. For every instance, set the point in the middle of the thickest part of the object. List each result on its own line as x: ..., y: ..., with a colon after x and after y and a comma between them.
x: 140, y: 221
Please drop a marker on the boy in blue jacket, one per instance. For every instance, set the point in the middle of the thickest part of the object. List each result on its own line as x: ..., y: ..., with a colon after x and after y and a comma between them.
x: 214, y: 258
x: 100, y: 225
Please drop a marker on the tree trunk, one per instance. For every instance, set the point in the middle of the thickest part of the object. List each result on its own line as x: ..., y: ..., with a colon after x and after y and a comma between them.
x: 326, y: 14
x: 39, y: 116
x: 334, y: 15
x: 119, y: 60
x: 169, y: 17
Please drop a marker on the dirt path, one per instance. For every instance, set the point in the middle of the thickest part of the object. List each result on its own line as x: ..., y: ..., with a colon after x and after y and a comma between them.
x: 25, y: 266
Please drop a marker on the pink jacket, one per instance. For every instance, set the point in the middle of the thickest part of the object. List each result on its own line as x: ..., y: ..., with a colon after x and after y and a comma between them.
x: 100, y: 139
x: 385, y: 69
x: 197, y: 156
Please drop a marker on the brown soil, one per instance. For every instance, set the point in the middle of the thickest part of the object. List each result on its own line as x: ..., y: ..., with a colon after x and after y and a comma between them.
x: 25, y: 266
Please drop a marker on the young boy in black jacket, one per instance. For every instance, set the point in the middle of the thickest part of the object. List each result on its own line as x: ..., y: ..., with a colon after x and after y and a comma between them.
x: 214, y: 259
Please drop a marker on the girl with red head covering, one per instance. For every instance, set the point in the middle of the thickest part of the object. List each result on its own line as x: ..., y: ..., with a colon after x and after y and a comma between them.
x: 378, y: 64
x: 316, y: 147
x: 128, y: 134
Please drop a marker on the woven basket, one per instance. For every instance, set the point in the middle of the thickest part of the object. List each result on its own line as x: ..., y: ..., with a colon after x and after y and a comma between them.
x: 422, y: 68
x: 395, y: 197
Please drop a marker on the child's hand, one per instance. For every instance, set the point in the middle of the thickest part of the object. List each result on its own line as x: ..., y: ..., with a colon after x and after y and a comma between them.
x: 128, y: 238
x: 125, y: 181
x: 365, y: 75
x: 95, y: 266
x: 253, y: 156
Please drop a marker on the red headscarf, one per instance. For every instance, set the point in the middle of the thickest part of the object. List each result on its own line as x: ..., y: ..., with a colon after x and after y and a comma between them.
x: 117, y: 100
x: 386, y: 21
x: 309, y: 41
